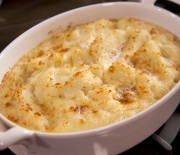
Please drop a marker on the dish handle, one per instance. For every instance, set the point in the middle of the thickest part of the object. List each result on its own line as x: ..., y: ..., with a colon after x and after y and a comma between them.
x: 152, y: 2
x: 12, y: 136
x: 148, y: 2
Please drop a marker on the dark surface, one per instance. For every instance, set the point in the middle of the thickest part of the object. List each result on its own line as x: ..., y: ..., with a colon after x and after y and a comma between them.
x: 16, y: 16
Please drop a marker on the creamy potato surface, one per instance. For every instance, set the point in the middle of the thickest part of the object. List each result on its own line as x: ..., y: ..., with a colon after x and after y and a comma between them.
x: 91, y: 75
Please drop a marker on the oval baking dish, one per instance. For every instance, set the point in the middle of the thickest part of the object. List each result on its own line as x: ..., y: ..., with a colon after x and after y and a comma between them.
x: 111, y: 139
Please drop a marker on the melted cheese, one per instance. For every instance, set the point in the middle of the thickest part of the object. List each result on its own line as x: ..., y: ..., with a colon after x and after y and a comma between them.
x: 91, y: 75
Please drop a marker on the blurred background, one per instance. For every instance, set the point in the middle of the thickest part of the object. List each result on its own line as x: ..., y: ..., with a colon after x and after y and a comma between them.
x: 16, y: 16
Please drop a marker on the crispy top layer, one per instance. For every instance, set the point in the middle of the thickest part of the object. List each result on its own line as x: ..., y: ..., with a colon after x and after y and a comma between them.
x: 91, y: 75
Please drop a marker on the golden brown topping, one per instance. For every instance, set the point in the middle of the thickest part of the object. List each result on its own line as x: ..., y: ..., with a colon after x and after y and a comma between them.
x: 37, y: 113
x: 13, y: 118
x: 6, y: 95
x: 111, y: 69
x: 78, y: 73
x: 7, y: 104
x: 126, y: 98
x: 41, y: 63
x: 127, y: 95
x: 101, y: 90
x: 81, y: 121
x: 73, y: 109
x: 91, y: 75
x: 64, y: 50
x: 94, y: 111
x: 81, y: 108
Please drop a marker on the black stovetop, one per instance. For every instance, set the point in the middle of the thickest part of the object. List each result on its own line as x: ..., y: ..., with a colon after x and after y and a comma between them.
x: 16, y: 16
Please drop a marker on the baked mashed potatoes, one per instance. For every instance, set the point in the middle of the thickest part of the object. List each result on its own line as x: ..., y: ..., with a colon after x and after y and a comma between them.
x: 91, y: 75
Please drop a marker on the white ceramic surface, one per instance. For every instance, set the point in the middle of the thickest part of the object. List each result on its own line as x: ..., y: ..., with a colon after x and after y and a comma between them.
x: 112, y: 139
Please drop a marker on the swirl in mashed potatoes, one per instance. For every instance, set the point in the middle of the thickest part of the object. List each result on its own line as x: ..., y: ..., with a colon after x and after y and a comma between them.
x: 91, y: 75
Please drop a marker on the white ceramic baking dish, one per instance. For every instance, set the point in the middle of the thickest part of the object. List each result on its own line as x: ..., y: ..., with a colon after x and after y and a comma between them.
x: 112, y: 139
